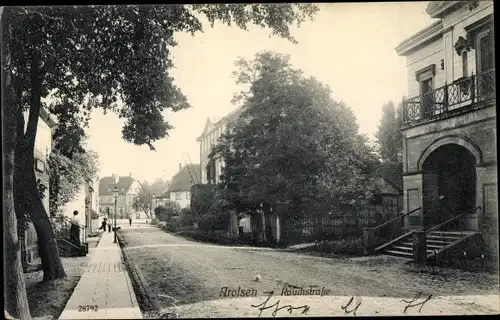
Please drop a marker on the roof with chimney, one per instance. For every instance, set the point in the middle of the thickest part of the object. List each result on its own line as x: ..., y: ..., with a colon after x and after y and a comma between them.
x: 185, y: 178
x: 107, y: 184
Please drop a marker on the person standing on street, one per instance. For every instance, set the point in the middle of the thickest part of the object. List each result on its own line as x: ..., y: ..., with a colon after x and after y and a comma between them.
x: 109, y: 226
x: 130, y: 221
x: 75, y: 229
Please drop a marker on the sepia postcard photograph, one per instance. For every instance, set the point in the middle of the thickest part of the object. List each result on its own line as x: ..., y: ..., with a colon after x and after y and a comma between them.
x: 247, y: 160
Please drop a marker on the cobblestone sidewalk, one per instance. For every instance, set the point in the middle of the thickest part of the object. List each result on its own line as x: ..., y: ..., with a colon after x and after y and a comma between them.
x: 104, y: 290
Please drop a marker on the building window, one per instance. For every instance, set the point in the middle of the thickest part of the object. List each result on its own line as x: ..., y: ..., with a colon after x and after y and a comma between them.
x: 485, y: 56
x: 425, y: 77
x: 187, y: 195
x: 465, y: 71
x: 178, y: 196
x: 40, y: 165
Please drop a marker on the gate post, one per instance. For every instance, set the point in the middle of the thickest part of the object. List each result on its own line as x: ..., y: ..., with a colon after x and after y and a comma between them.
x: 369, y: 240
x: 420, y: 247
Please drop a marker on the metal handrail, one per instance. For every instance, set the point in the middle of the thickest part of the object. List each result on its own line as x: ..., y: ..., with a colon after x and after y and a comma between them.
x: 396, y: 218
x: 69, y: 220
x: 469, y: 89
x: 471, y: 211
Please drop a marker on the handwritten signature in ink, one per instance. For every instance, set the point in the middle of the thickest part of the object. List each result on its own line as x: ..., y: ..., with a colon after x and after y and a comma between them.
x: 263, y: 306
x: 353, y: 310
x: 412, y: 303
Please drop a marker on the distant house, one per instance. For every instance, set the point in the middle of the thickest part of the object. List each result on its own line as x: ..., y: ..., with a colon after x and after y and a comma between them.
x: 213, y: 130
x: 162, y: 198
x: 391, y: 181
x: 181, y: 183
x: 128, y: 190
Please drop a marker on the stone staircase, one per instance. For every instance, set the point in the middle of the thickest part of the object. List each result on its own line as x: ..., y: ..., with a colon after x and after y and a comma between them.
x: 68, y: 249
x: 62, y: 226
x: 436, y: 242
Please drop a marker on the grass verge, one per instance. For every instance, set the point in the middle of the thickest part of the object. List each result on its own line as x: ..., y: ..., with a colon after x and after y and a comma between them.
x: 47, y: 300
x: 148, y: 304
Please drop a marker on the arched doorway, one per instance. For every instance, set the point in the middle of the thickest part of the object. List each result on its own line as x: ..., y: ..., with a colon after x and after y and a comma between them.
x: 449, y: 185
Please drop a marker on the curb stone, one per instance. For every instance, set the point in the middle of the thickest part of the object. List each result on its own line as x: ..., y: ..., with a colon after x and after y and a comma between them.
x: 148, y: 303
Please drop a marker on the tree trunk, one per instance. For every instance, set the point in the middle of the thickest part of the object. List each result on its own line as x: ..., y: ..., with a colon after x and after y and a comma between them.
x: 16, y: 300
x: 47, y: 244
x: 26, y: 184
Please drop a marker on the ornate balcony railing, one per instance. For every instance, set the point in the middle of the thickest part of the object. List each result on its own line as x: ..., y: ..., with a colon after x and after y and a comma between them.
x: 450, y: 98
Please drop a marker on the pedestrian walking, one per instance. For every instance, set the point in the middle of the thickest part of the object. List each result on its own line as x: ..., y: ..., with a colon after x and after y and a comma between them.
x: 103, y: 224
x: 130, y: 221
x: 109, y: 226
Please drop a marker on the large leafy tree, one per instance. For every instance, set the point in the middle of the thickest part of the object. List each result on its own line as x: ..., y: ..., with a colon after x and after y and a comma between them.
x: 295, y: 150
x: 388, y: 135
x: 16, y: 301
x: 159, y: 186
x: 67, y: 176
x: 143, y: 201
x: 110, y: 57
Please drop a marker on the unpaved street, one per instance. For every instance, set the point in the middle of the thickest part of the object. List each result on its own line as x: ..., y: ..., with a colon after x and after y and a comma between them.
x: 181, y: 271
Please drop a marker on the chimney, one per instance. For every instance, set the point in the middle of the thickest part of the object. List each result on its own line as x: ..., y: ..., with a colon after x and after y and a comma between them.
x: 180, y: 166
x: 115, y: 178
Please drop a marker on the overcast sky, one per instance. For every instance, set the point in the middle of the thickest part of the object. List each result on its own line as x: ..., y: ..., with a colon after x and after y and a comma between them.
x: 349, y: 46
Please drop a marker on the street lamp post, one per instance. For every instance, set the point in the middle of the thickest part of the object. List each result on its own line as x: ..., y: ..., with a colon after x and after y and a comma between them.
x: 115, y: 195
x: 91, y: 190
x: 153, y: 211
x: 136, y: 207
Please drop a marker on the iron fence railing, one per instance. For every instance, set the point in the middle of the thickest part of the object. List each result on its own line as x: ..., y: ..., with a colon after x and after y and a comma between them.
x: 462, y: 93
x: 342, y: 224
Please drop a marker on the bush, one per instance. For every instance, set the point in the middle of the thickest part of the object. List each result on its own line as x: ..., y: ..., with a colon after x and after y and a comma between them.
x: 187, y: 217
x: 352, y: 247
x: 173, y: 224
x: 169, y: 209
x: 202, y: 199
x: 214, y: 221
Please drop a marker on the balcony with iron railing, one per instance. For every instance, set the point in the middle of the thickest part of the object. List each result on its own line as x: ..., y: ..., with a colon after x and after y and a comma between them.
x: 461, y: 95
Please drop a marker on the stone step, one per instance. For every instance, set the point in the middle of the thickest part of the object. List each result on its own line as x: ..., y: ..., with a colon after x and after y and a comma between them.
x: 459, y: 233
x: 439, y: 242
x: 429, y: 245
x: 446, y: 238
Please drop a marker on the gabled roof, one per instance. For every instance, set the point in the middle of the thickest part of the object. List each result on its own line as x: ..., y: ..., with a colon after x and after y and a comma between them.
x: 213, y: 122
x: 208, y: 125
x: 165, y: 193
x: 429, y: 33
x: 185, y: 178
x: 107, y: 184
x: 392, y: 173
